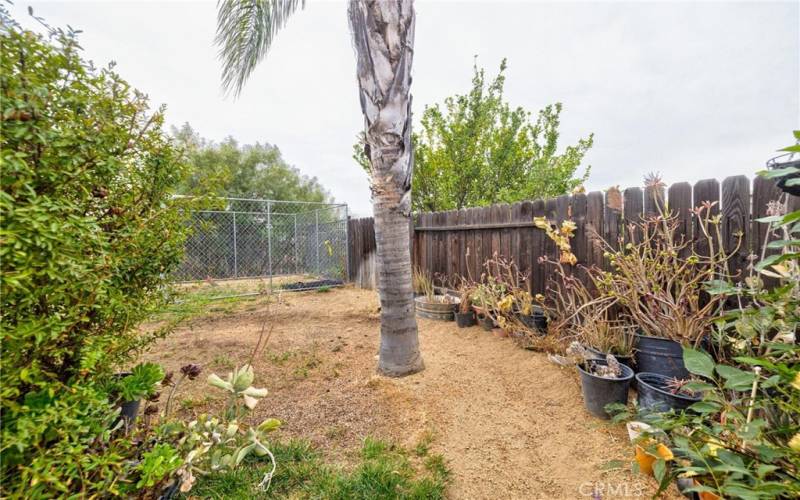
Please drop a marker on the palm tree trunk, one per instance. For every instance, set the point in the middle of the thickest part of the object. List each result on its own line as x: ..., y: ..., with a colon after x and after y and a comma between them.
x: 383, y: 37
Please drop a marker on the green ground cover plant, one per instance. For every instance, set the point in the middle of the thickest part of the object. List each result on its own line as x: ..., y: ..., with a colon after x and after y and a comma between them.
x: 383, y: 472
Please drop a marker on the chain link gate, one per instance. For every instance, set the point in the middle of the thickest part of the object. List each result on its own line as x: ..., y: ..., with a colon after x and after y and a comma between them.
x: 284, y: 242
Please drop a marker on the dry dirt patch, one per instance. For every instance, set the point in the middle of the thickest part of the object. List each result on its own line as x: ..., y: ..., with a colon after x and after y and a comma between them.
x: 509, y: 423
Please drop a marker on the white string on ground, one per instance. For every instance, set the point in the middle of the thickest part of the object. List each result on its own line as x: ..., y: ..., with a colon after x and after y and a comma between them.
x: 267, y: 480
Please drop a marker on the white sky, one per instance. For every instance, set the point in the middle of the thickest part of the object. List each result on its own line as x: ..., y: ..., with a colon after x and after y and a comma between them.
x: 693, y: 90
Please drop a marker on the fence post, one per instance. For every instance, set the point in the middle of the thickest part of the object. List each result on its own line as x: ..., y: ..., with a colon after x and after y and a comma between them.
x: 316, y: 235
x: 346, y: 276
x: 269, y: 242
x: 235, y: 258
x: 295, y: 245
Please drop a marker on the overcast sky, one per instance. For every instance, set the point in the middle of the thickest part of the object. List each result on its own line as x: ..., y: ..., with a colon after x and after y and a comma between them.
x: 692, y: 90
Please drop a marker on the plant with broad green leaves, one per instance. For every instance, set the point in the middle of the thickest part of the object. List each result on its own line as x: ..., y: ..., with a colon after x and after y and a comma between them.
x: 477, y: 150
x: 239, y: 384
x: 213, y: 444
x: 157, y: 463
x: 743, y: 439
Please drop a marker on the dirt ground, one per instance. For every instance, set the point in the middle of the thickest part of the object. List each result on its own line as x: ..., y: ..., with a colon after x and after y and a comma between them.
x: 509, y: 423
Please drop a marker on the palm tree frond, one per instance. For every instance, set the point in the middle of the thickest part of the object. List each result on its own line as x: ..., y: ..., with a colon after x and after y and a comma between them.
x: 245, y: 29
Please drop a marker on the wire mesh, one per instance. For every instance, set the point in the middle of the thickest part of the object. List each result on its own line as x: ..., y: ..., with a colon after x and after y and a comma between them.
x: 251, y: 238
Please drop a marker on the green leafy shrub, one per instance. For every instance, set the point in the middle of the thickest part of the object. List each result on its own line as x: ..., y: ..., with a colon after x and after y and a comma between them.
x: 90, y: 234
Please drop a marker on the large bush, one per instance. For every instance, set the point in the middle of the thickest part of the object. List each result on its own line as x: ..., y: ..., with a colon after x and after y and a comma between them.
x: 89, y: 235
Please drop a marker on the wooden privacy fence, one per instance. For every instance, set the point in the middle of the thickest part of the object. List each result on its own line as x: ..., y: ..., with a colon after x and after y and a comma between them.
x: 458, y: 242
x: 361, y: 253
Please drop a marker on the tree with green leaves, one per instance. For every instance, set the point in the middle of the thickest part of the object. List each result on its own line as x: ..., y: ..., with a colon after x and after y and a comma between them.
x: 477, y: 150
x: 243, y: 171
x: 383, y: 38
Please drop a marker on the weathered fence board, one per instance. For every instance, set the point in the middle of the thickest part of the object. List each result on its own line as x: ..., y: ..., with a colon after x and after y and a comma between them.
x: 680, y: 205
x: 705, y: 191
x: 361, y: 252
x: 735, y: 222
x: 457, y: 243
x: 633, y: 207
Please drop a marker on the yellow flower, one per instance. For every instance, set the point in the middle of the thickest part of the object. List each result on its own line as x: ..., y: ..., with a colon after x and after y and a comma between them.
x: 568, y: 258
x: 796, y: 381
x: 794, y: 443
x: 506, y: 303
x: 714, y: 445
x: 567, y: 227
x: 541, y: 222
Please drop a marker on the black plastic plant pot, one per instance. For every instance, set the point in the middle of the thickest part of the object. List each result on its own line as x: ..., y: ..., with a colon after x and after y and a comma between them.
x: 775, y: 164
x: 487, y: 323
x: 660, y: 355
x: 464, y: 320
x: 655, y: 396
x: 536, y: 321
x: 129, y: 411
x: 599, y: 391
x: 170, y: 491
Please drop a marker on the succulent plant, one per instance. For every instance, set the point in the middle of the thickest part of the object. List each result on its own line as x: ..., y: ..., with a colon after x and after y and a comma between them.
x: 239, y: 383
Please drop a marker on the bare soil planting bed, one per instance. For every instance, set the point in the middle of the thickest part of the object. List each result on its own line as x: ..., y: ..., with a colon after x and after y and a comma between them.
x: 509, y: 423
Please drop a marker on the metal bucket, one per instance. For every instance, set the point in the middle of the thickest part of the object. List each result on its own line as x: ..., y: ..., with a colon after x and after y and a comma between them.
x: 442, y: 308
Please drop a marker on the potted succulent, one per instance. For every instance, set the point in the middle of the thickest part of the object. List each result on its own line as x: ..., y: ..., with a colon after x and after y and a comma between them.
x: 602, y: 337
x: 482, y: 300
x: 430, y: 304
x: 530, y: 315
x: 133, y: 386
x: 465, y: 316
x: 603, y: 381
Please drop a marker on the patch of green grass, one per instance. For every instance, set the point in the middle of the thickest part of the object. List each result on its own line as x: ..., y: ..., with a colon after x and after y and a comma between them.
x: 307, y: 362
x: 323, y: 289
x: 424, y: 445
x: 191, y: 403
x: 223, y: 361
x: 189, y: 305
x: 385, y: 472
x: 280, y: 359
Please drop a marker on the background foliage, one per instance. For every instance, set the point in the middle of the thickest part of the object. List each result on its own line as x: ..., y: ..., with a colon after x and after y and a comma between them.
x: 243, y: 171
x: 90, y: 234
x: 477, y: 150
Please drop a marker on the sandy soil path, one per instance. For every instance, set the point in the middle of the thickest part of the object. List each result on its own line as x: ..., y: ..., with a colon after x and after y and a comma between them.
x: 510, y: 423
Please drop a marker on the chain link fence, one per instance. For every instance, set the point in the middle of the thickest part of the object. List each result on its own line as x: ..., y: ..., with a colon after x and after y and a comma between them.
x: 267, y: 239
